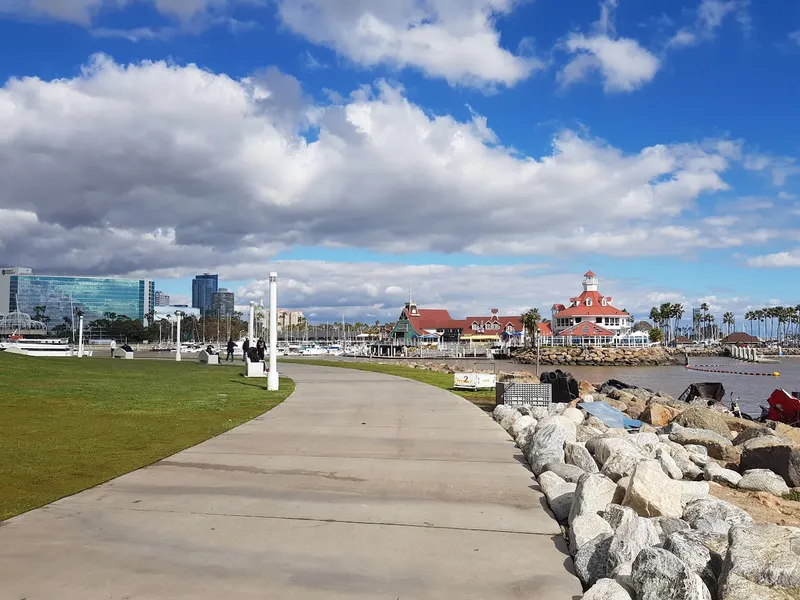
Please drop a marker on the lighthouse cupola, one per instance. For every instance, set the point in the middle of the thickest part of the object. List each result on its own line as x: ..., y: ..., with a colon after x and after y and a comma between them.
x: 590, y: 282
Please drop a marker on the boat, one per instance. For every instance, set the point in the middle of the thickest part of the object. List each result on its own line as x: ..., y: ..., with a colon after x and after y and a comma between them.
x: 17, y: 344
x: 713, y: 393
x: 783, y: 408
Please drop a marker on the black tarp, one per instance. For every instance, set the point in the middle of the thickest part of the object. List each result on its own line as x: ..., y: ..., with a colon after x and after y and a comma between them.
x: 703, y: 391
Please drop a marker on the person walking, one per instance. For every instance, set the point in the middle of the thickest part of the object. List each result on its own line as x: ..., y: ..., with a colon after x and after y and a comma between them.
x: 245, y: 348
x: 261, y: 348
x: 231, y: 347
x: 113, y: 346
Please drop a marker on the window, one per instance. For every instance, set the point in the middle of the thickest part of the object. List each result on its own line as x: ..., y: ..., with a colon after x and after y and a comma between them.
x: 599, y: 320
x: 603, y: 302
x: 588, y: 302
x: 474, y: 326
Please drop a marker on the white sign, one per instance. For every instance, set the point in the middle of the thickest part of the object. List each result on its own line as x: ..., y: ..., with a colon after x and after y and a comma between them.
x: 474, y: 381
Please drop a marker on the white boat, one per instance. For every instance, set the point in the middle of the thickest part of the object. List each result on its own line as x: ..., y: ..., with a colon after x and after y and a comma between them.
x: 37, y: 346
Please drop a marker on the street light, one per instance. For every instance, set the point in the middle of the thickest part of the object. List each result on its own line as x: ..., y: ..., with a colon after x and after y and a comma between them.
x: 179, y: 314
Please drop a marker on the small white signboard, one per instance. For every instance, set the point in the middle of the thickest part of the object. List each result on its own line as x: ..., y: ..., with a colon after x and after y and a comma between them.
x: 474, y: 381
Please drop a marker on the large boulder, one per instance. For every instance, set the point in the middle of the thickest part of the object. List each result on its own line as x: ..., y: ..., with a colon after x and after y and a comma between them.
x: 621, y: 465
x: 660, y: 575
x: 704, y: 418
x: 560, y: 494
x: 525, y: 438
x: 609, y: 445
x: 717, y: 474
x: 692, y: 490
x: 569, y: 473
x: 576, y: 454
x: 501, y: 411
x: 714, y: 516
x: 666, y: 526
x: 631, y: 536
x: 702, y: 552
x: 584, y: 529
x: 547, y: 443
x: 607, y: 589
x: 593, y: 493
x: 668, y: 465
x: 718, y: 446
x: 520, y: 424
x: 510, y: 419
x: 763, y: 561
x: 763, y: 480
x: 753, y: 433
x: 575, y: 415
x: 651, y: 493
x: 774, y: 453
x: 591, y: 560
x: 658, y: 414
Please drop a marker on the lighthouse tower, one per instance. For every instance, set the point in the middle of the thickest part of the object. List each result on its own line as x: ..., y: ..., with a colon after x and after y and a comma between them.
x: 589, y: 282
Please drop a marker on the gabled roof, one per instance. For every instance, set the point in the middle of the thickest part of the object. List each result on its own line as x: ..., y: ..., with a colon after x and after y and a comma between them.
x: 431, y: 318
x: 544, y: 329
x: 739, y: 337
x: 586, y: 329
x: 596, y: 309
x: 589, y: 274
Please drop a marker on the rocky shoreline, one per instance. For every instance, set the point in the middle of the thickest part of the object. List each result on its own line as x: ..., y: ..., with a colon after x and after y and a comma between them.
x: 637, y: 509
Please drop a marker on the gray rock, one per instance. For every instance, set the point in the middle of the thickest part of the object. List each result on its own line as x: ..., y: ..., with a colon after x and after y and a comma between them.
x: 621, y: 465
x: 520, y: 424
x: 633, y: 535
x: 591, y: 560
x: 660, y: 575
x: 614, y: 514
x: 752, y: 433
x: 547, y: 444
x: 763, y: 560
x: 714, y: 516
x: 694, y: 548
x: 698, y: 459
x: 666, y: 526
x: 682, y: 458
x: 594, y: 492
x: 774, y: 453
x: 607, y: 589
x: 651, y: 493
x: 763, y: 480
x: 575, y: 415
x: 509, y: 420
x: 586, y: 433
x: 608, y: 445
x: 501, y: 411
x: 643, y: 439
x: 539, y: 412
x: 525, y: 438
x: 559, y: 493
x: 692, y: 490
x: 669, y: 466
x: 596, y: 423
x: 717, y: 446
x: 695, y: 449
x: 556, y: 409
x: 577, y: 454
x: 569, y: 473
x: 713, y: 472
x: 525, y: 411
x: 584, y: 529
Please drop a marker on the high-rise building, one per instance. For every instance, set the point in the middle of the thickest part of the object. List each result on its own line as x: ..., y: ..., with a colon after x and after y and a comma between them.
x: 222, y: 303
x: 162, y: 299
x: 286, y: 319
x: 62, y: 296
x: 203, y: 288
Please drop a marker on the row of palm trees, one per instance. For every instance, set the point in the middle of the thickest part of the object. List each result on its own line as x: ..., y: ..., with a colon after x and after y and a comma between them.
x: 667, y: 318
x: 774, y: 322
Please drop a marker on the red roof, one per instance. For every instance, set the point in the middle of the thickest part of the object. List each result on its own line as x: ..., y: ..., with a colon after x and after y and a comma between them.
x: 431, y: 318
x: 596, y: 309
x: 544, y: 329
x: 589, y: 274
x: 586, y: 329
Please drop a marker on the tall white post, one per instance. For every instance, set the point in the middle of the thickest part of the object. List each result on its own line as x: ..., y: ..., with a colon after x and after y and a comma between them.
x: 272, y: 375
x: 178, y: 336
x: 251, y: 323
x: 80, y: 336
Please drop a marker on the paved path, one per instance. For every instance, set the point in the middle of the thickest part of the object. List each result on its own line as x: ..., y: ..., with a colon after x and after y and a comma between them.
x: 358, y: 486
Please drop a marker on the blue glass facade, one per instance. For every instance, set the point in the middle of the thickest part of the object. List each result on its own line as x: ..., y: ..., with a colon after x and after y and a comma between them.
x: 92, y: 295
x: 203, y: 289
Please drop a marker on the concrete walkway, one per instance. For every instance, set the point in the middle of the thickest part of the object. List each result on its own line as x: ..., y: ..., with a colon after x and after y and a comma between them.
x: 358, y: 486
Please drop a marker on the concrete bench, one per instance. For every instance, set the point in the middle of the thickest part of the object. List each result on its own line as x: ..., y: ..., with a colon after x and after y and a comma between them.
x: 209, y: 359
x: 121, y: 353
x: 255, y: 369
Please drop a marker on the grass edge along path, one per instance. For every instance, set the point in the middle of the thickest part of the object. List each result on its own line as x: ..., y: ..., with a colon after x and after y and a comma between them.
x: 67, y: 425
x: 484, y: 399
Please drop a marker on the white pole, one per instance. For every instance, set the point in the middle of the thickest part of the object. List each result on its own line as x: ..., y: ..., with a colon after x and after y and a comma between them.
x: 80, y: 336
x: 178, y: 337
x: 272, y: 375
x: 251, y: 323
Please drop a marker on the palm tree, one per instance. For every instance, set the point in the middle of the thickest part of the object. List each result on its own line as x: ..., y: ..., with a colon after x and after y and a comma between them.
x: 704, y: 308
x: 727, y: 320
x: 530, y: 323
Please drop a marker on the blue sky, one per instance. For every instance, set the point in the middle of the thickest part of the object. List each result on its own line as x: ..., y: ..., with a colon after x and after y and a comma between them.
x: 488, y: 151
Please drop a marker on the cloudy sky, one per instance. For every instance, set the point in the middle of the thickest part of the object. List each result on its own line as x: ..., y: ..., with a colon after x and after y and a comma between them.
x: 485, y: 153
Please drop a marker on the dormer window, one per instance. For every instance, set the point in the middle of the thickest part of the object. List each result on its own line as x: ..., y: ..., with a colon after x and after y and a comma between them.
x: 588, y: 302
x: 577, y: 302
x: 475, y: 326
x: 603, y: 302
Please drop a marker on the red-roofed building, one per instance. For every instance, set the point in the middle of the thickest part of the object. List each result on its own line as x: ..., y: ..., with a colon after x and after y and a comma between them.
x: 593, y: 308
x: 437, y: 324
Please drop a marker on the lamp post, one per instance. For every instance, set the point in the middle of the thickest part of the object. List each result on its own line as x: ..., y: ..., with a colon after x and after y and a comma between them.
x: 273, y: 380
x: 251, y: 322
x: 536, y: 337
x: 80, y: 336
x: 179, y: 314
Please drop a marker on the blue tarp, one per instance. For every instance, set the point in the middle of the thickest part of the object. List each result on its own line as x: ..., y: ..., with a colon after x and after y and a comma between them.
x: 610, y: 415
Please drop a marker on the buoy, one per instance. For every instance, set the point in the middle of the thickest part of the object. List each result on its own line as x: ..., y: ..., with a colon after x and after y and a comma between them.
x: 776, y: 374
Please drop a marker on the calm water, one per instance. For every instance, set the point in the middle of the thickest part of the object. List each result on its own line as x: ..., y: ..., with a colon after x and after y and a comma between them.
x: 752, y: 391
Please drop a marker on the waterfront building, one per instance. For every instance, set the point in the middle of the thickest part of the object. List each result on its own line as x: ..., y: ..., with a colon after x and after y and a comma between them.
x: 222, y: 303
x: 436, y: 324
x: 203, y: 288
x: 286, y: 319
x: 590, y: 314
x: 162, y: 299
x: 63, y: 296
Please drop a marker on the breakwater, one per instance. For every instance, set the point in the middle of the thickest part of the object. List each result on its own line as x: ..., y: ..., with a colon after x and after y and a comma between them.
x: 603, y: 357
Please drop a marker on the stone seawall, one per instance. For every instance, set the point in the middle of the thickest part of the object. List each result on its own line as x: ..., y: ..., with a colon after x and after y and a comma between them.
x: 602, y: 357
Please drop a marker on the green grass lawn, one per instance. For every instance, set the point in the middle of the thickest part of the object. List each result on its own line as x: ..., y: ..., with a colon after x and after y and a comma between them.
x: 68, y: 424
x: 482, y: 398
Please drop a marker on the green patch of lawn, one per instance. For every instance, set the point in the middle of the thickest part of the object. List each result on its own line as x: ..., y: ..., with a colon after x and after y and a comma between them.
x: 485, y: 399
x: 68, y: 424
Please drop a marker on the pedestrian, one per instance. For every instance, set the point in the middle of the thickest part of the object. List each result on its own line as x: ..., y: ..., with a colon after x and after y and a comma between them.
x: 231, y: 347
x: 245, y: 348
x: 113, y: 345
x: 261, y: 347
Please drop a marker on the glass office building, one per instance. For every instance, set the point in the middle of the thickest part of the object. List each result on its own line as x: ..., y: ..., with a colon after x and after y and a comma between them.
x: 61, y: 295
x: 203, y: 289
